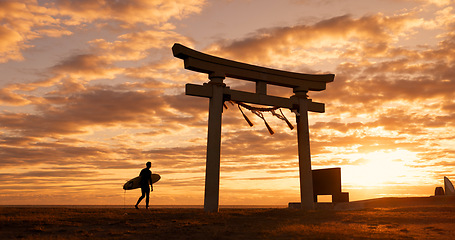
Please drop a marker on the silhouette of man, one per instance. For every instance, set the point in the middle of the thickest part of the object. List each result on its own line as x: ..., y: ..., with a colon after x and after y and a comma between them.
x: 146, y: 180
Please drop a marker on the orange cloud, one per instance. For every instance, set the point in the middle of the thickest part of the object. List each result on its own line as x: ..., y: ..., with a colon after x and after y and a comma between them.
x: 9, y: 97
x: 10, y: 46
x: 372, y: 35
x: 439, y: 3
x: 23, y: 21
x: 129, y: 12
x: 135, y: 46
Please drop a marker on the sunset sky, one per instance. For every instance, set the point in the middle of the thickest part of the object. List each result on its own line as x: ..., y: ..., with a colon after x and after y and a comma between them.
x: 90, y: 91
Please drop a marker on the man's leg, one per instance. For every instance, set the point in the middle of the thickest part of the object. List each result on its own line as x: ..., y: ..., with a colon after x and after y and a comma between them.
x: 140, y: 198
x: 147, y: 199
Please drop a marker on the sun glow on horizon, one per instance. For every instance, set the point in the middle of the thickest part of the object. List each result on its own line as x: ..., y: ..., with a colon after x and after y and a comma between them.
x: 380, y: 169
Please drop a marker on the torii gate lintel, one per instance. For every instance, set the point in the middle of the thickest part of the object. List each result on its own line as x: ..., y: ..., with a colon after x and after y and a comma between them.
x: 292, y: 103
x: 217, y: 91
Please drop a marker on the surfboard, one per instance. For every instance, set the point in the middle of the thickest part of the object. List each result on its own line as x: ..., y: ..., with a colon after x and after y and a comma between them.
x: 448, y: 186
x: 136, y: 182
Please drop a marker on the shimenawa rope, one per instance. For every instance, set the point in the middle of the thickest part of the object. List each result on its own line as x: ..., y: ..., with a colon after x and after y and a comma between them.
x: 258, y: 112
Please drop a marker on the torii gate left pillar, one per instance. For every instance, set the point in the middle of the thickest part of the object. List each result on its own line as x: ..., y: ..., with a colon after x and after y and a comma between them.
x: 213, y: 158
x: 218, y: 69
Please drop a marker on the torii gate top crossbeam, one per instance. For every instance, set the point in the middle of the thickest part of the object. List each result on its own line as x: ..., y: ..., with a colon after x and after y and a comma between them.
x: 204, y: 63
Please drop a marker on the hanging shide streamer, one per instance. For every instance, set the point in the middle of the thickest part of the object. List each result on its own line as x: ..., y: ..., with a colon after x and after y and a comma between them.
x: 246, y: 118
x: 258, y: 112
x: 282, y: 117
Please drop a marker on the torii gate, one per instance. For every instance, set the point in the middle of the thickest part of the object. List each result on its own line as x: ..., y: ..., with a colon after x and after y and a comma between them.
x: 218, y: 69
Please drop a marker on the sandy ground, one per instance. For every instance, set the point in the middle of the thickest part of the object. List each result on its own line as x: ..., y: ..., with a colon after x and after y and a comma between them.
x: 406, y: 218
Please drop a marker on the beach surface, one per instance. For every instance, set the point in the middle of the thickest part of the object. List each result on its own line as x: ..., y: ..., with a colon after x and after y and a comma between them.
x: 391, y: 218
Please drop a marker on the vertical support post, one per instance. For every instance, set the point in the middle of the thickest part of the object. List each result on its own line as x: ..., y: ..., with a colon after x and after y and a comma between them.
x: 303, y: 138
x: 212, y: 171
x: 261, y: 87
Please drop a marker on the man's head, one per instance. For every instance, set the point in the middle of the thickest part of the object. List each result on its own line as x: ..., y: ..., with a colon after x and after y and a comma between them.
x: 148, y: 164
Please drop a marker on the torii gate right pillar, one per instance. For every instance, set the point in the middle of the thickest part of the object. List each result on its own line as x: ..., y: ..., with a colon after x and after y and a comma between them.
x: 303, y: 139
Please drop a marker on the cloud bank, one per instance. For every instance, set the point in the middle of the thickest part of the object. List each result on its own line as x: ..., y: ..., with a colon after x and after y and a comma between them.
x: 99, y: 112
